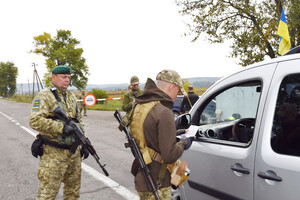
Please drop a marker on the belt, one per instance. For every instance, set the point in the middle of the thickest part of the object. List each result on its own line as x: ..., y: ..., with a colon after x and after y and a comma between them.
x: 55, y: 144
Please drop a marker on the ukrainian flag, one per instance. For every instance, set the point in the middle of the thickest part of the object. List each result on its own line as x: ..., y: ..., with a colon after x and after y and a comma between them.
x: 284, y: 42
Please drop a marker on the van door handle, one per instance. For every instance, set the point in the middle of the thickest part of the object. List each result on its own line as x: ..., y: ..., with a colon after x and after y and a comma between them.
x: 239, y: 168
x: 270, y: 175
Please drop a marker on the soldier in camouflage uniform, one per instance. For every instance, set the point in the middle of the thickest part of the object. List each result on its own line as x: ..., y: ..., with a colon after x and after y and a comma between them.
x: 131, y: 94
x: 57, y: 164
x: 81, y: 104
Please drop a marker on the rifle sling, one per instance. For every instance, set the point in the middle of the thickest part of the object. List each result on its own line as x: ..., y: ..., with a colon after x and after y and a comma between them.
x: 58, y: 99
x: 161, y: 175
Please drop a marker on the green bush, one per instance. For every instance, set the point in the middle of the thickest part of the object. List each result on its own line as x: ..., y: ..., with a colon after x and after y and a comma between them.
x: 99, y: 94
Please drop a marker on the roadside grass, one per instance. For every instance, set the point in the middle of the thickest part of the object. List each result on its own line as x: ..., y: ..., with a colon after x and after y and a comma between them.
x: 110, y: 105
x: 200, y: 90
x: 20, y: 98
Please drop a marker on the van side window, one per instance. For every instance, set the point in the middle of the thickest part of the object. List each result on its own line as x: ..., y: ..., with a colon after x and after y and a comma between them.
x: 286, y: 122
x: 230, y: 114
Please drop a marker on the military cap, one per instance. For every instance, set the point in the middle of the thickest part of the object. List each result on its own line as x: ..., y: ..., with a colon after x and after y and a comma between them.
x: 171, y: 76
x: 61, y: 69
x: 134, y: 80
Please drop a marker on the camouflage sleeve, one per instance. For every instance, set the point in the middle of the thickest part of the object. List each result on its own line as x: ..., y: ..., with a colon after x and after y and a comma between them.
x: 127, y: 106
x: 40, y: 113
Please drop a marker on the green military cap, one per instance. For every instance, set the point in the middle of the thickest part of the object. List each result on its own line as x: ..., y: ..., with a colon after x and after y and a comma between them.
x: 61, y: 69
x: 171, y: 76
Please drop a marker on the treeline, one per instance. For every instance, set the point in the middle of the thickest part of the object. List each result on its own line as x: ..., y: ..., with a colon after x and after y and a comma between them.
x: 8, y: 78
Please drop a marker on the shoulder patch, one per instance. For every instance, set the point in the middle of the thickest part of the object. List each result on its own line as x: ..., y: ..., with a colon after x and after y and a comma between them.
x: 36, y: 105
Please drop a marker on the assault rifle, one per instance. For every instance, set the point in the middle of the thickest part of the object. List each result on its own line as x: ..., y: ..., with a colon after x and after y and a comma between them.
x: 79, y: 136
x: 136, y: 153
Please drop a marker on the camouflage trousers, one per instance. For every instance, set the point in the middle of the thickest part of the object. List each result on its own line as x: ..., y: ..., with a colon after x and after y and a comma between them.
x: 163, y: 193
x: 82, y: 107
x: 59, y: 166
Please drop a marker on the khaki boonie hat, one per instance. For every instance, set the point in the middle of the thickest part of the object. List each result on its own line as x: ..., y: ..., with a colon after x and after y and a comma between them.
x: 171, y: 76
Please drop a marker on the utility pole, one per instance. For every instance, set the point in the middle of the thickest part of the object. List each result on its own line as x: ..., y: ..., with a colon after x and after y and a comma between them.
x: 21, y: 89
x: 37, y: 78
x: 28, y: 88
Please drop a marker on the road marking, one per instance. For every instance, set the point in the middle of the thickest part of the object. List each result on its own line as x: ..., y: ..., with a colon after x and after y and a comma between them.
x: 110, y: 183
x: 29, y: 131
x: 124, y: 192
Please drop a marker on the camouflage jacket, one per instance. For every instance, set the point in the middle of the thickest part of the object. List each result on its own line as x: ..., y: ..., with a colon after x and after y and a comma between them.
x: 128, y: 98
x: 41, y: 116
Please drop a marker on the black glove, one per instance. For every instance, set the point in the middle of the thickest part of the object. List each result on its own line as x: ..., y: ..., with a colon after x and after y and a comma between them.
x: 188, y: 140
x: 37, y: 147
x: 68, y: 130
x: 84, y: 153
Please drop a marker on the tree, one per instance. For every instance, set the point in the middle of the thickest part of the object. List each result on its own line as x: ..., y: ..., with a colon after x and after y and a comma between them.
x: 8, y: 78
x: 250, y: 25
x: 61, y: 50
x: 186, y: 83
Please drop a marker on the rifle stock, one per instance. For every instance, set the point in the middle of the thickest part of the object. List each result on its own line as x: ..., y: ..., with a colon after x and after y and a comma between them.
x: 137, y: 154
x: 79, y: 137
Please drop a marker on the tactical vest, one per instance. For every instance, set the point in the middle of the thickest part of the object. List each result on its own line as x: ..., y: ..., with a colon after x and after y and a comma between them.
x: 139, y: 115
x: 179, y: 171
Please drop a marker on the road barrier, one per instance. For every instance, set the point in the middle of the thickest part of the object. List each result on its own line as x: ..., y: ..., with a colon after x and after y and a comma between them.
x: 106, y: 99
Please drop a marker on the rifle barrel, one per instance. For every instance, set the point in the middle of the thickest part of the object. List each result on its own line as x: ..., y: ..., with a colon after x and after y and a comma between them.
x: 80, y: 137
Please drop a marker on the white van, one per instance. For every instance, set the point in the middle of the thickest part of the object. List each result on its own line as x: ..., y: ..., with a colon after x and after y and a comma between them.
x: 247, y: 144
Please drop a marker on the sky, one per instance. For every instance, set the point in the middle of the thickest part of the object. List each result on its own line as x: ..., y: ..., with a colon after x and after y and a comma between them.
x: 119, y: 39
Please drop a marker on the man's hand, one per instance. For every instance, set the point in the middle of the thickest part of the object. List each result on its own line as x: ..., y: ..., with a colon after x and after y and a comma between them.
x: 181, y: 131
x: 188, y: 140
x: 68, y: 130
x: 84, y: 153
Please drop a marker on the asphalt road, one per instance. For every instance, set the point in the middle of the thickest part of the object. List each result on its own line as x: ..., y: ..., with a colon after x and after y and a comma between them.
x: 18, y: 169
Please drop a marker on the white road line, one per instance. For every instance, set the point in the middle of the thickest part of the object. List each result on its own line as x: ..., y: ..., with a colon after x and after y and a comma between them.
x: 29, y: 131
x: 124, y: 192
x: 110, y: 183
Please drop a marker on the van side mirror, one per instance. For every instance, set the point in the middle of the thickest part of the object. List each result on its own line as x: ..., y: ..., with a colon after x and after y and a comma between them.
x: 183, y: 121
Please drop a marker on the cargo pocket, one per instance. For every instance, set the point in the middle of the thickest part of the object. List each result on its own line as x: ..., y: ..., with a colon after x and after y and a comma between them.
x: 43, y: 174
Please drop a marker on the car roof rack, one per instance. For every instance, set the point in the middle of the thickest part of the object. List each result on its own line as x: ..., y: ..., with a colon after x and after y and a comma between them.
x: 293, y: 51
